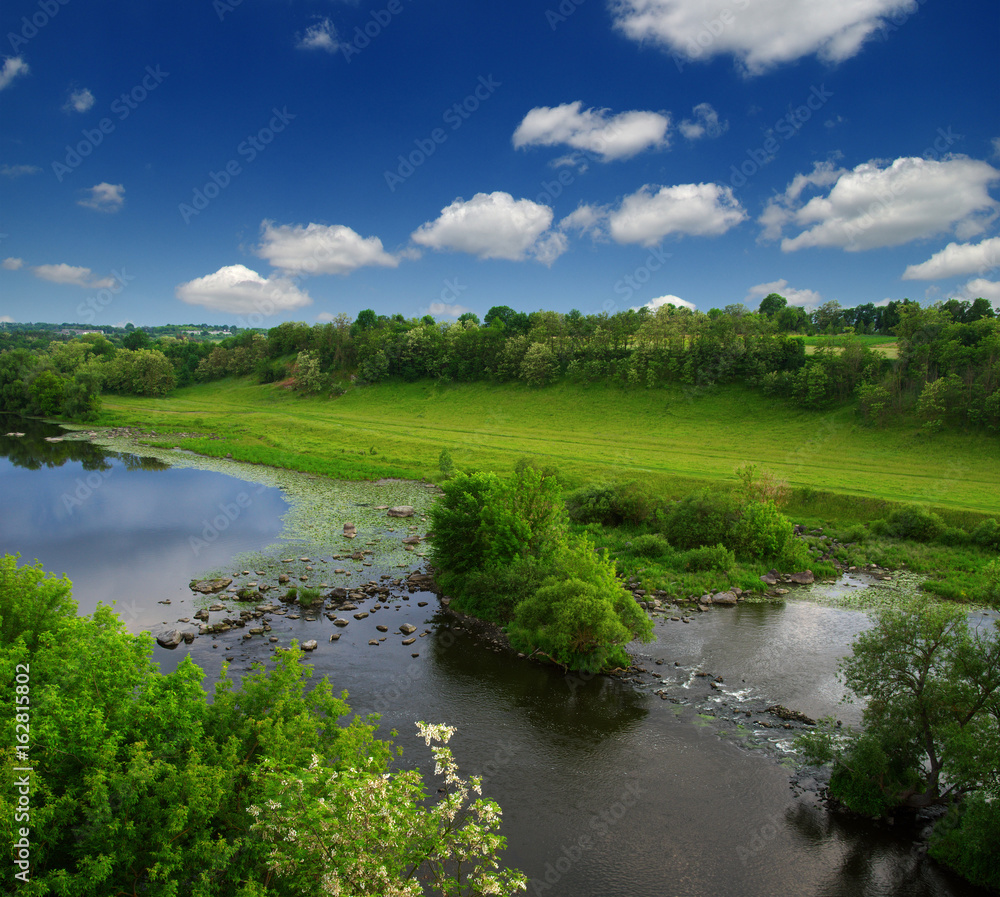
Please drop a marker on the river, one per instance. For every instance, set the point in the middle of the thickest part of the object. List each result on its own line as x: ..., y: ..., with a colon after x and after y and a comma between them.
x: 667, y: 785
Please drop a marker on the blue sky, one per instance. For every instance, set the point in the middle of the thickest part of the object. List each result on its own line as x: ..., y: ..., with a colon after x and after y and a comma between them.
x: 256, y: 161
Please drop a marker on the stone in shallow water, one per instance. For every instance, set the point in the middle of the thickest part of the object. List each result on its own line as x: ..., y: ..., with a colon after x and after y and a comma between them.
x: 407, y: 628
x: 170, y: 639
x: 207, y: 586
x: 310, y: 645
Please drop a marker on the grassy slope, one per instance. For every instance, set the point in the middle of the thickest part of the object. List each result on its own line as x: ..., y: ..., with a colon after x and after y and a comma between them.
x: 668, y: 437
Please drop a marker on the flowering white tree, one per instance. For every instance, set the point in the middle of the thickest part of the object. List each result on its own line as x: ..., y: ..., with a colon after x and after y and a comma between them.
x: 363, y: 831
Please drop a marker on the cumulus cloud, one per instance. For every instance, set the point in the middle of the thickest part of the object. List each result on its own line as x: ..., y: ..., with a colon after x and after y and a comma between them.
x: 447, y: 310
x: 238, y: 290
x: 593, y: 130
x: 805, y: 298
x: 881, y: 204
x: 104, y: 197
x: 16, y: 171
x: 587, y: 219
x: 676, y: 301
x: 12, y: 264
x: 758, y: 35
x: 705, y: 123
x: 651, y: 213
x: 6, y: 319
x: 957, y: 259
x: 71, y: 275
x: 981, y: 287
x: 12, y: 67
x: 321, y: 36
x: 79, y: 101
x: 494, y: 226
x: 320, y: 249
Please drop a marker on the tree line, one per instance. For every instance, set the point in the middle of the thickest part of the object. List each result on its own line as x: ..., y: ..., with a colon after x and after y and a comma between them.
x: 947, y: 371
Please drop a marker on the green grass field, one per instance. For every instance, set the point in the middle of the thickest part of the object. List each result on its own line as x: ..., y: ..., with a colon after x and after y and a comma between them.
x: 885, y: 345
x: 672, y: 439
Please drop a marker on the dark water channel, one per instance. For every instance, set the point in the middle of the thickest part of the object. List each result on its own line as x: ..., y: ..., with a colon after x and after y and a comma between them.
x: 608, y: 787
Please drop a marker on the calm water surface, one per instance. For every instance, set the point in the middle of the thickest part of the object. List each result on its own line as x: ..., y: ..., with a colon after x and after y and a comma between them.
x: 607, y: 789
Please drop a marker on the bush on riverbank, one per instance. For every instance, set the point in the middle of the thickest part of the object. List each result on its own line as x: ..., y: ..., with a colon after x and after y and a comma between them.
x: 931, y: 687
x: 501, y: 550
x: 139, y: 784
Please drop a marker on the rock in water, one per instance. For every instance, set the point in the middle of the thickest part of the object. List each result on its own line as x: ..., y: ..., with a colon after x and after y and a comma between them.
x: 309, y: 645
x: 724, y: 598
x: 803, y: 579
x: 207, y: 586
x: 170, y: 639
x: 401, y: 511
x: 407, y: 628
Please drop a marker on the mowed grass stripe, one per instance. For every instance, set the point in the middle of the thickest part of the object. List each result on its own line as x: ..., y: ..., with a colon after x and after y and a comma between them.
x: 589, y: 433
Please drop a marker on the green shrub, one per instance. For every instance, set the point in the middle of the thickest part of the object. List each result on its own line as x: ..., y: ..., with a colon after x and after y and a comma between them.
x: 612, y: 504
x: 913, y: 522
x: 31, y: 601
x: 987, y: 535
x: 991, y: 590
x: 581, y: 615
x: 494, y: 593
x: 762, y: 532
x: 716, y: 557
x: 704, y: 518
x: 967, y: 838
x: 650, y: 545
x: 953, y: 536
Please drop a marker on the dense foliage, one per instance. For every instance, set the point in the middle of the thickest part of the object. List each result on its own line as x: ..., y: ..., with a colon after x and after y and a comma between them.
x: 947, y: 372
x: 501, y: 549
x: 931, y: 730
x: 139, y: 784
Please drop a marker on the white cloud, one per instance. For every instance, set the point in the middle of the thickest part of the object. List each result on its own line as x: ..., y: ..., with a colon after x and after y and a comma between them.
x: 16, y: 171
x: 677, y: 302
x: 320, y: 249
x: 6, y: 319
x: 646, y: 217
x: 79, y: 101
x: 12, y: 264
x: 238, y: 290
x: 881, y: 204
x: 446, y: 310
x: 758, y: 34
x: 12, y: 67
x: 71, y: 275
x: 957, y: 259
x: 705, y: 123
x: 587, y: 219
x: 981, y: 287
x: 805, y: 298
x: 494, y: 226
x: 321, y: 36
x: 593, y: 130
x: 104, y: 197
x: 325, y: 317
